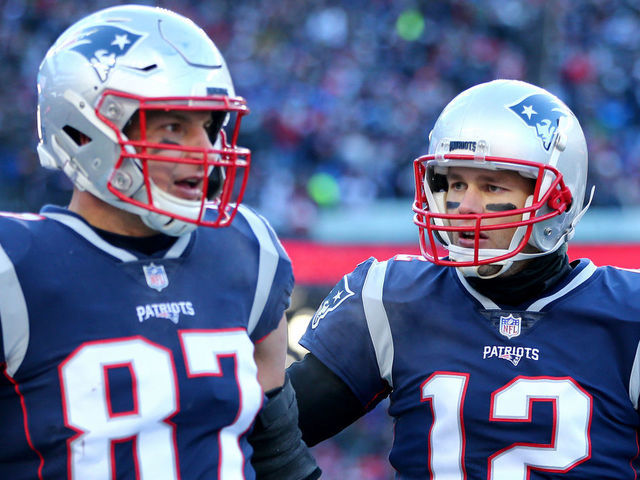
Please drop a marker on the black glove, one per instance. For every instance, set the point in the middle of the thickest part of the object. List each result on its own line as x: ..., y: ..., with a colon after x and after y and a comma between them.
x: 279, y: 453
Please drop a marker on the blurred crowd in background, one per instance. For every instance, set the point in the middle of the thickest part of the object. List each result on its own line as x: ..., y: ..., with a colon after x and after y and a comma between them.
x: 343, y: 95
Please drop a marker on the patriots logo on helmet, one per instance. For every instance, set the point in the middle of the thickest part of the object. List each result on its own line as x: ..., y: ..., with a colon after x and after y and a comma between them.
x: 103, y: 45
x: 543, y: 113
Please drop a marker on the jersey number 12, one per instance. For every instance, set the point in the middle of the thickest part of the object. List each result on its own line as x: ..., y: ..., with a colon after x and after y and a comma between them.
x: 570, y: 444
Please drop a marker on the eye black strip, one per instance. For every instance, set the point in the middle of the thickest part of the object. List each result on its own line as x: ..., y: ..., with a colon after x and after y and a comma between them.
x: 500, y: 207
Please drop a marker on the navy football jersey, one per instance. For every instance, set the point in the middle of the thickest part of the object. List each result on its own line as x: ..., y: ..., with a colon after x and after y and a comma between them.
x: 122, y: 366
x: 547, y: 390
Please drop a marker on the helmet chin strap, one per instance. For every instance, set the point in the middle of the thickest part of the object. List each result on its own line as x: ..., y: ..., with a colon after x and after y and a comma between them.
x: 474, y: 272
x: 165, y: 201
x: 505, y: 265
x: 167, y: 225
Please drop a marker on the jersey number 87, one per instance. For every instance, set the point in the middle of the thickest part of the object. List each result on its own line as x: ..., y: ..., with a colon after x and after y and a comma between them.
x: 87, y: 408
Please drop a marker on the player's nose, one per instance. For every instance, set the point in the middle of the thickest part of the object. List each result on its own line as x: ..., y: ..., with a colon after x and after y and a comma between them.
x: 472, y: 201
x: 200, y: 138
x: 199, y: 145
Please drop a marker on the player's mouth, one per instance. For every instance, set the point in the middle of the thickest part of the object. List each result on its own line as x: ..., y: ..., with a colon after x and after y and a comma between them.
x: 189, y: 188
x: 468, y: 239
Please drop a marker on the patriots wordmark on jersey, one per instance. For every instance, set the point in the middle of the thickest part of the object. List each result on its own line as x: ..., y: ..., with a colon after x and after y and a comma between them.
x: 121, y: 366
x: 548, y: 390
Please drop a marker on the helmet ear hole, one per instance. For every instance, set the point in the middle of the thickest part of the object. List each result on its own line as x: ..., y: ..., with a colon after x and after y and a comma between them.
x: 218, y: 119
x: 133, y: 120
x: 76, y: 135
x: 438, y: 182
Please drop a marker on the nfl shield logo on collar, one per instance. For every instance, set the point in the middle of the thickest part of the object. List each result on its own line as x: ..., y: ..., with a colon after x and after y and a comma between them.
x: 156, y: 276
x: 510, y: 326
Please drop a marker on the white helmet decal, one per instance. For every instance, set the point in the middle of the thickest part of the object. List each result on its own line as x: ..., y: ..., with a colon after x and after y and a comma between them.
x: 543, y: 113
x: 103, y: 45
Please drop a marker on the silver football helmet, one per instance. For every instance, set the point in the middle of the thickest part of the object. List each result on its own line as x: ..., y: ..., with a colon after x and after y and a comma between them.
x: 503, y: 125
x: 126, y: 61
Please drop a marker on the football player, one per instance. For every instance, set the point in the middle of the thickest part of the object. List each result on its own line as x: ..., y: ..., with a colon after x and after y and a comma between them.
x: 135, y: 342
x: 502, y: 360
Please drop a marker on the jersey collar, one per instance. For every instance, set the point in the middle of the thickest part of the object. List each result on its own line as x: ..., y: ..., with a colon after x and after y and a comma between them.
x: 81, y: 227
x: 580, y: 273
